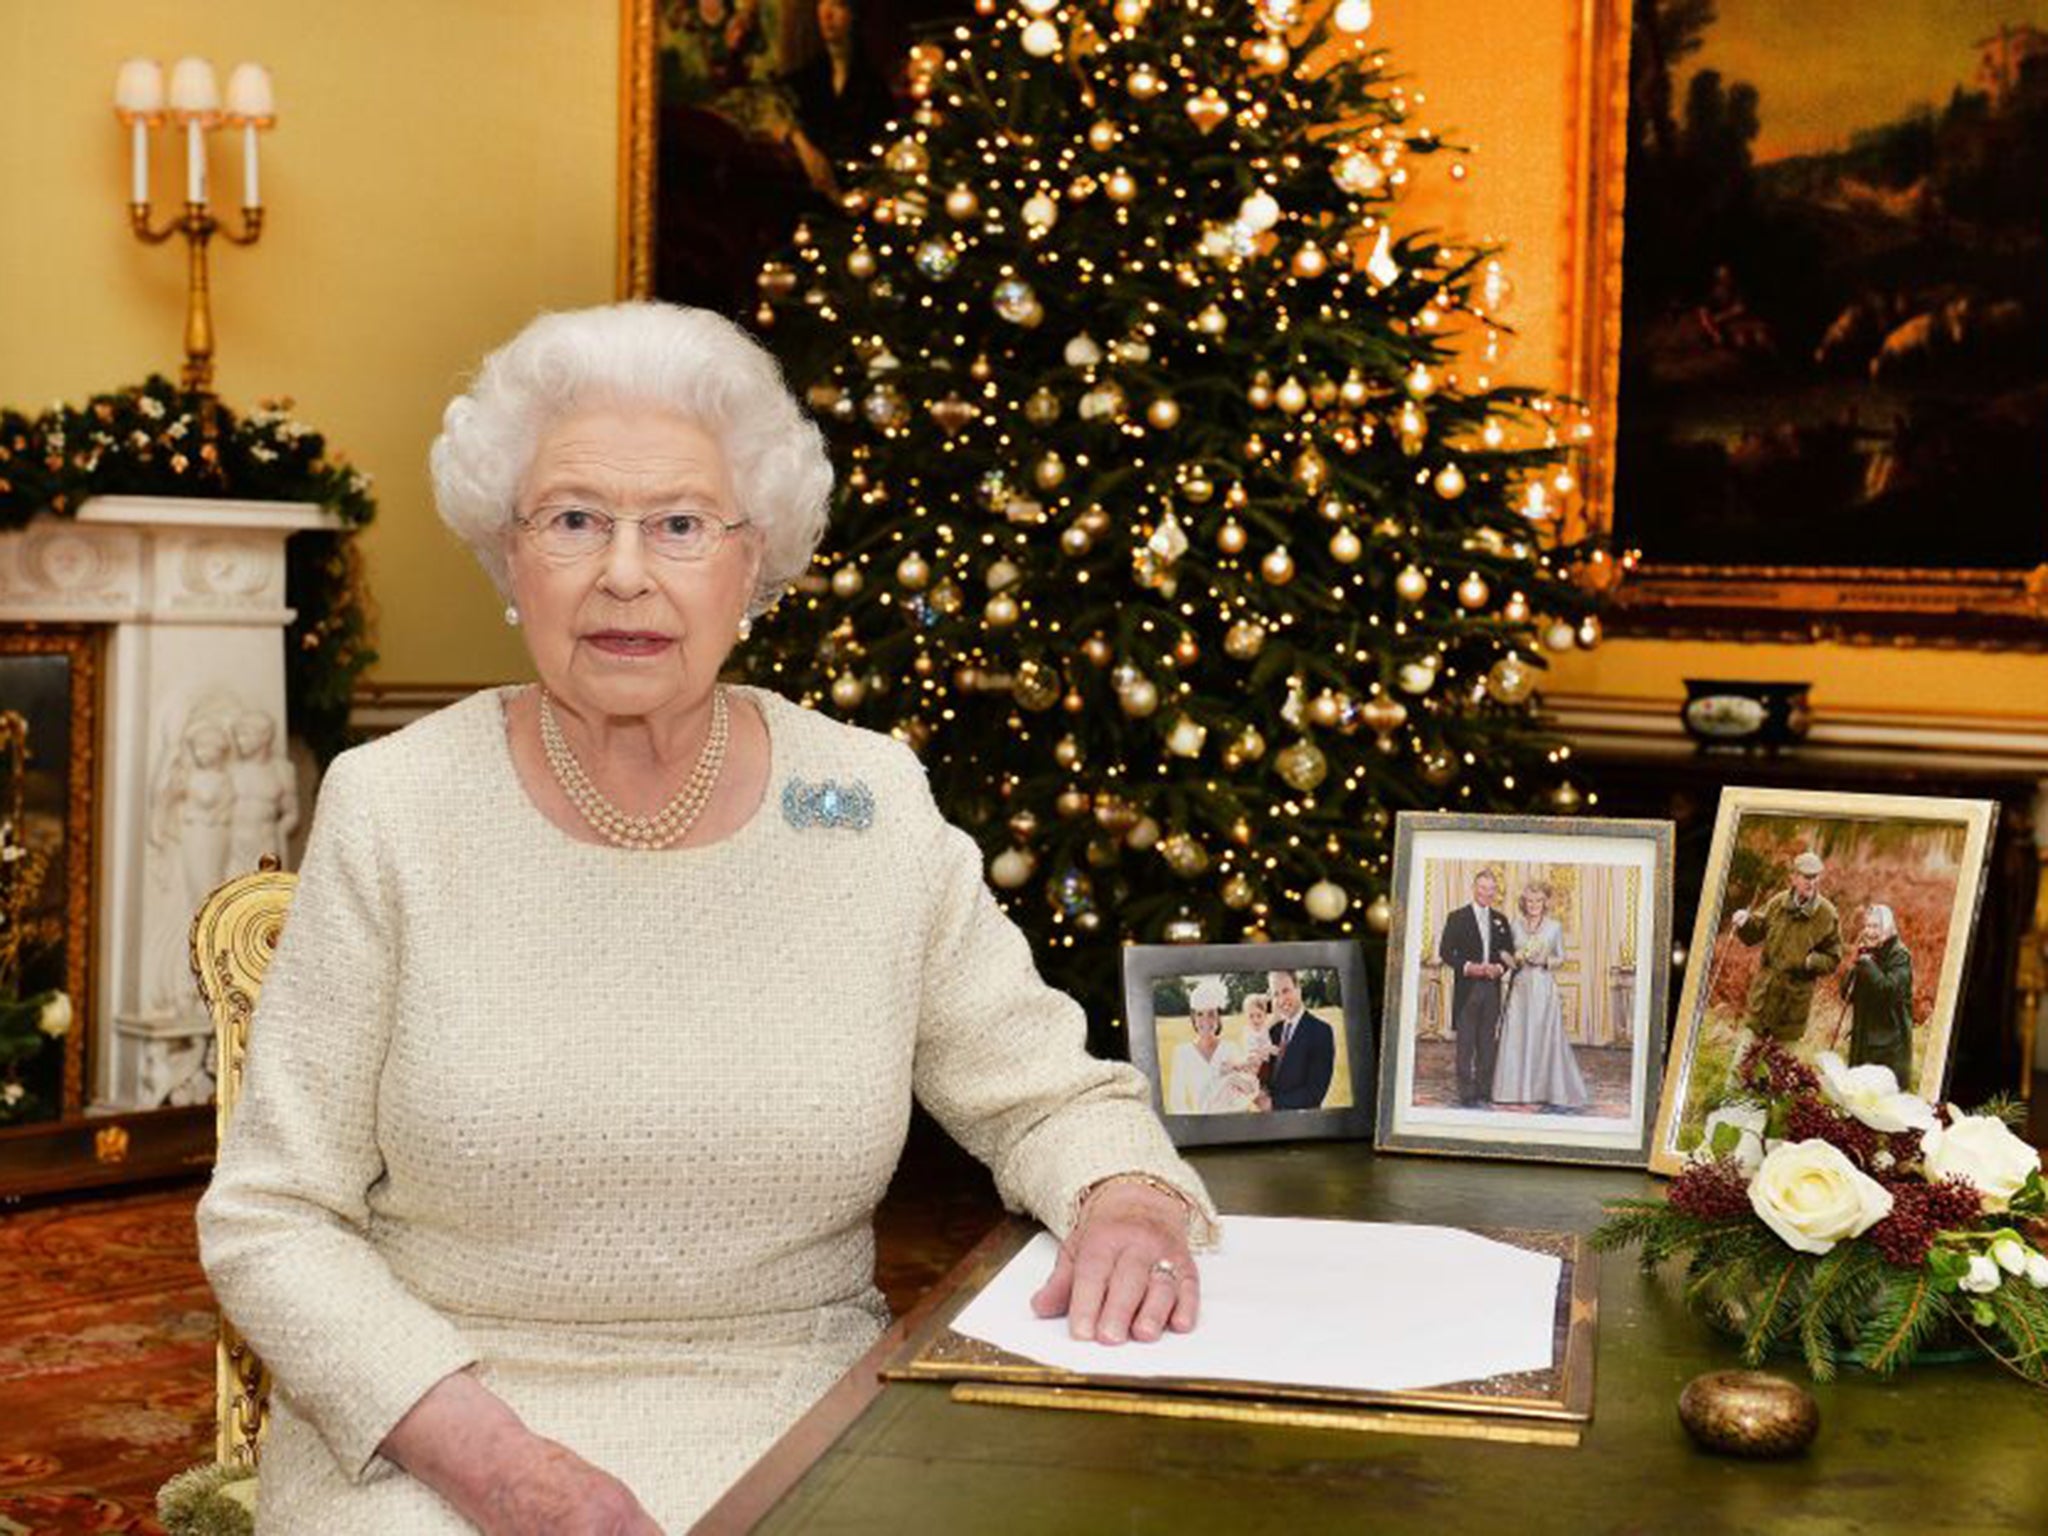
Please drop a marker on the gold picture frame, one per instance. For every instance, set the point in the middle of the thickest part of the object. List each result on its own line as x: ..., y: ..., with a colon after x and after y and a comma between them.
x: 1772, y: 600
x: 1874, y: 847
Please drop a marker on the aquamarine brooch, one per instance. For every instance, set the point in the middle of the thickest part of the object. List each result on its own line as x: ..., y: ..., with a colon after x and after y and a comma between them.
x: 828, y: 804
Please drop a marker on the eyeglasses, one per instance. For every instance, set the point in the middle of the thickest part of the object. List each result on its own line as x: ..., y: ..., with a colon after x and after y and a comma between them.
x: 567, y: 535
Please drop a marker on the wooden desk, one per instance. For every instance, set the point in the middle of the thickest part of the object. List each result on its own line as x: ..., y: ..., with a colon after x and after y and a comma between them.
x: 1942, y: 1449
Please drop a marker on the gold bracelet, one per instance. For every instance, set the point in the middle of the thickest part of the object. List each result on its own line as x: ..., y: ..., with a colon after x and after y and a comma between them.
x: 1149, y: 1180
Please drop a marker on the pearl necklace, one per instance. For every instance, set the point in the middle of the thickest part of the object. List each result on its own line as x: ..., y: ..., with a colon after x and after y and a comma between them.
x: 667, y: 826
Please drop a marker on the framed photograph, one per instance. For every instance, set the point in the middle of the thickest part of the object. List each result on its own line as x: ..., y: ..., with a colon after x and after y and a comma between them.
x: 1816, y: 287
x: 735, y: 119
x: 1252, y: 1042
x: 1527, y: 975
x: 1829, y: 922
x: 48, y: 689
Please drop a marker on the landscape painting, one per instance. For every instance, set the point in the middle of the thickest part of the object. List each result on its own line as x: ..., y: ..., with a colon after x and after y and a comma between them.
x: 1835, y: 287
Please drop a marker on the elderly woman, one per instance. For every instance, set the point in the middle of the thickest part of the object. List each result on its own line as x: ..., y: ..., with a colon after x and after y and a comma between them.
x: 533, y: 1233
x: 1879, y: 989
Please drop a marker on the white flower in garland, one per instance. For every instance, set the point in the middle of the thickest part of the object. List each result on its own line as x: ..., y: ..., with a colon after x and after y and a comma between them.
x: 1982, y: 1150
x: 1871, y: 1093
x: 1812, y: 1196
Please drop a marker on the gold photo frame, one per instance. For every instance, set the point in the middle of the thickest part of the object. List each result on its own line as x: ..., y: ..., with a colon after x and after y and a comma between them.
x: 1923, y: 858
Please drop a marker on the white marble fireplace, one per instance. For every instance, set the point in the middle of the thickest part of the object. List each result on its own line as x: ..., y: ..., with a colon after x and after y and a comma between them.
x: 195, y: 780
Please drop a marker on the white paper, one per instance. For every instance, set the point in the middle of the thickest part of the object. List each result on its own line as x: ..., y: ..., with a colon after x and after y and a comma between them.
x: 1365, y: 1306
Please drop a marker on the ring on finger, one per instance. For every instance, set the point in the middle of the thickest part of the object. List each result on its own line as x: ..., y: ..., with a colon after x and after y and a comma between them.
x: 1167, y: 1270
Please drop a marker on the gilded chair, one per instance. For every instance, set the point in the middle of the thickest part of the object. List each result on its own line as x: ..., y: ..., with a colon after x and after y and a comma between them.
x: 234, y: 934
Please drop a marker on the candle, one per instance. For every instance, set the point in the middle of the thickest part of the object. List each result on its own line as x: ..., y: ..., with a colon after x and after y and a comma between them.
x: 252, y: 197
x: 138, y: 97
x: 195, y: 161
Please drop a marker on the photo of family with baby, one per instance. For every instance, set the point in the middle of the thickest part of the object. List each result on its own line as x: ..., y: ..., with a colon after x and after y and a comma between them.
x: 1251, y: 1042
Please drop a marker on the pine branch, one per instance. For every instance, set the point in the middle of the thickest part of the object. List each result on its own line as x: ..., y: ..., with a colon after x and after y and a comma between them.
x: 1777, y: 1305
x: 1906, y: 1310
x: 2022, y: 1313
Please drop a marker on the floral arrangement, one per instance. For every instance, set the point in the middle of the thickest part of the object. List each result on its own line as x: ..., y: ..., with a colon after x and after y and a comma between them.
x: 156, y: 439
x: 1827, y: 1207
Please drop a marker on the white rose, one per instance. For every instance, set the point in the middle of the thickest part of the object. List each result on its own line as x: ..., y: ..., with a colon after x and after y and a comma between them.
x: 1872, y: 1095
x: 2009, y: 1253
x: 1747, y: 1122
x: 2037, y: 1271
x: 1983, y: 1150
x: 1983, y: 1276
x: 55, y: 1019
x: 1812, y: 1196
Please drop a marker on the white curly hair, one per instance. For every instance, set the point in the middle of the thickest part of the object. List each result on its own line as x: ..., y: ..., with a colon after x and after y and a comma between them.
x: 690, y: 361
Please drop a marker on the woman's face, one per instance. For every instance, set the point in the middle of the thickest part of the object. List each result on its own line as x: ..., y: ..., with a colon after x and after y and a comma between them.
x: 1873, y: 934
x: 622, y: 632
x: 1534, y: 902
x: 1208, y: 1023
x: 835, y: 20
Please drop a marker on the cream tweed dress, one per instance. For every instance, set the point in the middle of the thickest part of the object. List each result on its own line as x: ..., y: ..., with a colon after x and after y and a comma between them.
x: 610, y: 1127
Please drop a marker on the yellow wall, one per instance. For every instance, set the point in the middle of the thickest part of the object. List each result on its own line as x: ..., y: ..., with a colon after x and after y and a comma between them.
x: 441, y: 170
x: 446, y: 167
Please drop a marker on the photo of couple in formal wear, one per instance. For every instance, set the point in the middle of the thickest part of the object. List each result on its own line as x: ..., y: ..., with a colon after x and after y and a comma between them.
x: 1251, y: 1042
x: 1525, y: 983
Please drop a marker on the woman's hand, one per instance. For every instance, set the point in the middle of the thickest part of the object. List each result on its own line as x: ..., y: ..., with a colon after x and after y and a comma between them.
x: 1125, y: 1272
x: 464, y: 1441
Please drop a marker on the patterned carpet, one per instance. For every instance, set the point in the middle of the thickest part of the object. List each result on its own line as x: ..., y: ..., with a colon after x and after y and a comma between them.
x: 107, y: 1329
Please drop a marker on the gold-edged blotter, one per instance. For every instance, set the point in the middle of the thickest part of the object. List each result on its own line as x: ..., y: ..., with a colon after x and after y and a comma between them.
x: 1547, y: 1406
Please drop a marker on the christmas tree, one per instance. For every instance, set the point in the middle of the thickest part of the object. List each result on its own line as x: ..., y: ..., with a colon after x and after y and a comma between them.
x: 1183, y: 530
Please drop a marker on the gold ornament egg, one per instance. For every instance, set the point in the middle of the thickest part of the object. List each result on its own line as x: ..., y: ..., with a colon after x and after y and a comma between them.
x: 1748, y: 1413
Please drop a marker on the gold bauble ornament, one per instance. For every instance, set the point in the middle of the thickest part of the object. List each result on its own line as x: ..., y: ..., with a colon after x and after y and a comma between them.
x: 1002, y: 611
x: 1278, y: 566
x: 914, y: 572
x: 1238, y: 893
x: 1042, y: 407
x: 1139, y: 699
x: 1073, y: 703
x: 1023, y: 825
x: 1049, y: 472
x: 1411, y: 585
x: 1120, y: 186
x: 1291, y: 396
x: 1072, y: 804
x: 1035, y: 686
x: 1266, y: 55
x: 1310, y: 261
x: 1251, y: 744
x: 1567, y: 799
x: 962, y: 202
x: 1326, y: 709
x: 1589, y: 632
x: 1011, y: 868
x: 1439, y: 768
x: 1384, y: 716
x: 1075, y: 540
x: 1450, y: 482
x: 1163, y: 412
x: 1143, y: 836
x: 1197, y: 487
x: 847, y: 581
x: 1115, y: 814
x: 1184, y: 856
x: 1516, y: 609
x: 1259, y: 393
x: 1095, y: 520
x: 1144, y: 83
x: 981, y: 369
x: 1231, y: 537
x: 1129, y: 13
x: 1244, y: 640
x: 1103, y: 134
x: 1002, y: 575
x: 1097, y: 650
x: 860, y: 262
x: 1379, y: 916
x: 1559, y: 635
x: 1346, y: 547
x: 1325, y: 901
x: 1067, y: 752
x: 1186, y: 737
x: 1473, y: 591
x: 1353, y: 391
x: 947, y: 596
x: 1211, y: 321
x: 1301, y: 765
x: 848, y: 690
x: 1511, y: 680
x: 1417, y: 677
x: 1311, y: 470
x: 1207, y: 109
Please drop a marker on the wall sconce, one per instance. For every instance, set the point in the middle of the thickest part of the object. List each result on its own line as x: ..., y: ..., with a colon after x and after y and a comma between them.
x: 194, y: 104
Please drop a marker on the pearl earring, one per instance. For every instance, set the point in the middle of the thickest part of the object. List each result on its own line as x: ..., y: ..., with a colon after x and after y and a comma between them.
x: 512, y: 615
x: 746, y: 628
